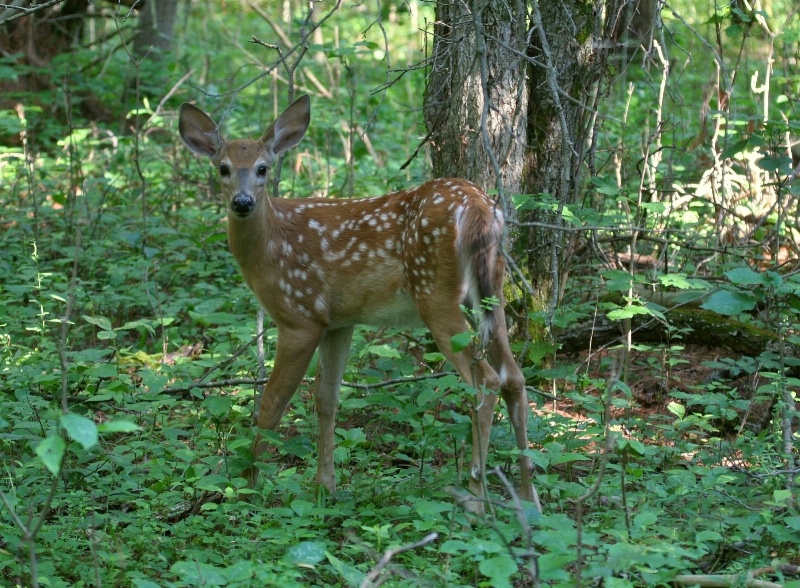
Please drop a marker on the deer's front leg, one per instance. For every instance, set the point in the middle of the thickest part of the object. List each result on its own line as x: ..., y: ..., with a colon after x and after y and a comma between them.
x: 294, y: 352
x: 331, y: 363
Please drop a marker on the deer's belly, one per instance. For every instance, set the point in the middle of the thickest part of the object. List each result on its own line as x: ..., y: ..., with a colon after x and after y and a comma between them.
x: 398, y: 310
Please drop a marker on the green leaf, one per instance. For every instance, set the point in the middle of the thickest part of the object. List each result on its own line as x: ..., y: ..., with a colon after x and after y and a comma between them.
x: 681, y: 282
x: 617, y: 280
x: 218, y: 406
x: 734, y: 149
x: 521, y: 201
x: 627, y: 312
x: 744, y: 275
x: 461, y: 341
x: 384, y: 350
x: 729, y: 302
x: 306, y: 554
x: 195, y: 573
x: 146, y: 324
x: 80, y: 429
x: 351, y: 575
x: 568, y: 458
x: 774, y: 164
x: 102, y: 370
x: 781, y: 496
x: 677, y: 409
x: 51, y: 452
x: 215, y: 318
x: 499, y: 568
x: 431, y: 508
x: 118, y: 427
x: 99, y: 321
x: 605, y: 185
x: 654, y: 207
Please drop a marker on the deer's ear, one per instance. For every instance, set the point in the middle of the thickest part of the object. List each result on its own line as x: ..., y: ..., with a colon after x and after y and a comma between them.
x: 289, y: 127
x: 198, y: 131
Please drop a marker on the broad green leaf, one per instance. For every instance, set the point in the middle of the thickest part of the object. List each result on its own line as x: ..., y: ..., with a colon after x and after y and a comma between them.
x: 138, y: 583
x: 681, y: 282
x: 605, y: 185
x: 195, y: 573
x: 744, y: 275
x: 729, y: 302
x: 215, y: 318
x: 774, y: 164
x: 136, y: 324
x: 80, y: 429
x: 384, y: 350
x: 460, y: 342
x: 617, y: 280
x: 307, y: 553
x: 677, y: 409
x: 303, y: 508
x: 627, y: 312
x: 99, y: 321
x: 734, y: 149
x: 645, y: 519
x: 654, y: 207
x: 567, y: 458
x: 218, y: 406
x: 118, y: 427
x: 351, y: 575
x: 428, y: 508
x: 51, y: 452
x: 499, y: 568
x: 570, y: 217
x: 781, y: 496
x: 102, y: 370
x: 521, y: 201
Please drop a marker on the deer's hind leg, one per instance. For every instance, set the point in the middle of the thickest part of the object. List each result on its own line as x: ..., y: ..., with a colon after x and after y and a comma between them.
x: 445, y: 321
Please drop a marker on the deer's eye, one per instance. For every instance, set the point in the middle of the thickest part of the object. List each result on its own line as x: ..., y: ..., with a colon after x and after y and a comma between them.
x: 224, y: 170
x: 262, y: 170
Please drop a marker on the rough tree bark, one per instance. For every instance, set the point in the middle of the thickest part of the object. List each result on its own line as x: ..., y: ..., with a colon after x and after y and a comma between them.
x: 567, y: 49
x: 156, y: 24
x: 476, y: 98
x: 539, y: 112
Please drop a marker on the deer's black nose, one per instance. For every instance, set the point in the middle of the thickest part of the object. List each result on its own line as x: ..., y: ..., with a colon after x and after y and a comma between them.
x: 243, y: 204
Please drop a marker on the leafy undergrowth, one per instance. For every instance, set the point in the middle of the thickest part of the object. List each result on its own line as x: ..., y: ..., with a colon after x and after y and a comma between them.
x: 127, y: 355
x: 140, y: 323
x: 688, y: 486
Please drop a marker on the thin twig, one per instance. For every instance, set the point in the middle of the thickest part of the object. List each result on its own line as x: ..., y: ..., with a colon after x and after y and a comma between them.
x: 370, y: 579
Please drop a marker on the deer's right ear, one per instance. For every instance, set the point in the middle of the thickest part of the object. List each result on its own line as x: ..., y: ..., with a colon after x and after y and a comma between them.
x: 289, y: 127
x: 198, y: 131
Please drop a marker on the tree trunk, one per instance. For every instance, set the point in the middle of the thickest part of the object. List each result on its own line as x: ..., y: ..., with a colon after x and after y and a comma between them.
x: 503, y: 97
x: 478, y: 54
x: 568, y: 62
x: 156, y: 23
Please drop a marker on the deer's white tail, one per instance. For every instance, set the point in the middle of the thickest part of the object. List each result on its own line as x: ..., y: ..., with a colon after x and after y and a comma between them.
x: 478, y: 241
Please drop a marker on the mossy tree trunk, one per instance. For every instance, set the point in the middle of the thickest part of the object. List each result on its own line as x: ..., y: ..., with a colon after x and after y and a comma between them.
x: 476, y: 97
x: 569, y: 41
x: 512, y: 87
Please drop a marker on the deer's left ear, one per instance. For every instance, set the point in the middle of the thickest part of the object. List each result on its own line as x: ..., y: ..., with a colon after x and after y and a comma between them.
x: 198, y: 131
x: 289, y: 127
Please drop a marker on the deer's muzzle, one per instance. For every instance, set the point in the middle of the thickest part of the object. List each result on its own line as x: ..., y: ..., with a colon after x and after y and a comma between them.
x: 243, y: 204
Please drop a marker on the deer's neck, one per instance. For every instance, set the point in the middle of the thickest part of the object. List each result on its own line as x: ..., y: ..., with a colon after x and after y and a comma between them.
x: 252, y: 240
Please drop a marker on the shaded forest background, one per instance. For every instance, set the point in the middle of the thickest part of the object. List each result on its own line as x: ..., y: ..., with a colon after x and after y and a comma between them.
x: 653, y: 292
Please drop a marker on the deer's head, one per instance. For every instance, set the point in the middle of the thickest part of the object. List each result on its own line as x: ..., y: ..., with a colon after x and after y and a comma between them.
x: 244, y: 165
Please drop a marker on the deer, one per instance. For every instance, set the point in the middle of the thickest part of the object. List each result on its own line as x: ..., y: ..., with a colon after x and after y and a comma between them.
x: 320, y: 266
